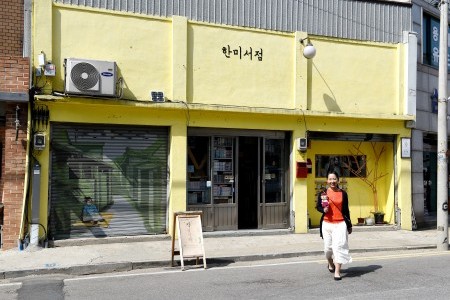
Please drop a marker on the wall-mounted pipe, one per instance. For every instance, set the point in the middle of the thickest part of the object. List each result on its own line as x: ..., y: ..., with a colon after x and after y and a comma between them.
x: 17, y: 121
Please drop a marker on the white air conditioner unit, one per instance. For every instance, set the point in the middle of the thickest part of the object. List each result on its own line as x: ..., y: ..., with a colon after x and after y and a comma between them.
x: 90, y: 77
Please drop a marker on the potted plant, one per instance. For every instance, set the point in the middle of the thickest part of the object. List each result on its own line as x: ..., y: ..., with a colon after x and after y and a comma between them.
x: 371, y: 177
x: 361, y: 221
x: 379, y: 217
x: 369, y: 221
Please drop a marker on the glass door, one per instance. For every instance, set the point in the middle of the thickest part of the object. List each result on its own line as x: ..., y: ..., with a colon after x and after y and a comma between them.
x: 223, y: 170
x: 211, y: 181
x: 274, y: 209
x: 199, y: 179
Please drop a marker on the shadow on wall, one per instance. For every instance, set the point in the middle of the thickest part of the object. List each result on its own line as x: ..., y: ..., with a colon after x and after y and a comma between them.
x: 330, y: 103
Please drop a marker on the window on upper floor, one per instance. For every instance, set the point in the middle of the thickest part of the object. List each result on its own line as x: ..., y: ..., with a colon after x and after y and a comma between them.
x: 430, y: 41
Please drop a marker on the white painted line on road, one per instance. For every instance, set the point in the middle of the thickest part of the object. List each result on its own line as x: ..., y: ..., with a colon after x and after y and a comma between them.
x: 19, y: 284
x: 391, y: 256
x: 130, y: 275
x: 321, y: 261
x: 191, y: 270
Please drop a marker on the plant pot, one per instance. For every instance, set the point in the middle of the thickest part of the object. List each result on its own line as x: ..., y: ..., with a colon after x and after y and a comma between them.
x: 370, y: 221
x: 379, y: 218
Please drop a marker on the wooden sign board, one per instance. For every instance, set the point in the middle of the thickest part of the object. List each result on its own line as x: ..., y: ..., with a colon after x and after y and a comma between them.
x: 190, y: 237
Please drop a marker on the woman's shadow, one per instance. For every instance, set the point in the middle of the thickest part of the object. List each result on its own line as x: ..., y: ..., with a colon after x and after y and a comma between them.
x: 359, y: 271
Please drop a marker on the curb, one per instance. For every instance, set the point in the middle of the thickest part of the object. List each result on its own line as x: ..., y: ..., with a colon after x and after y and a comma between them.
x: 86, y: 269
x: 216, y: 261
x: 309, y: 253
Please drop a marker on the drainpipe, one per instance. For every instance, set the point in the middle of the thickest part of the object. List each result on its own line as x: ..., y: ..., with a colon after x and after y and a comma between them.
x: 27, y: 8
x: 27, y: 17
x: 26, y: 50
x: 17, y: 121
x: 26, y: 187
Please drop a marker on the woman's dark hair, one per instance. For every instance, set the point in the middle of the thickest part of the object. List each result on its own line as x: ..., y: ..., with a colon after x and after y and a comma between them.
x: 334, y: 173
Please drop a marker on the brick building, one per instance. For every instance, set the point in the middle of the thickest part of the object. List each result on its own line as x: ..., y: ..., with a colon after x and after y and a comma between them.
x: 14, y: 96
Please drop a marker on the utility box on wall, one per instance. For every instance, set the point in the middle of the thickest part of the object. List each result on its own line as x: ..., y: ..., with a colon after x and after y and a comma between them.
x: 302, y: 144
x: 302, y: 170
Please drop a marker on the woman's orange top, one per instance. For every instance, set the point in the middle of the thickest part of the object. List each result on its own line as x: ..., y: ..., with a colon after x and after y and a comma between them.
x: 334, y: 214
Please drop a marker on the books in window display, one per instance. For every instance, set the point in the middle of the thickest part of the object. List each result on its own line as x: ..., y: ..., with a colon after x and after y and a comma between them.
x: 197, y: 185
x: 222, y: 166
x: 222, y: 191
x: 222, y: 153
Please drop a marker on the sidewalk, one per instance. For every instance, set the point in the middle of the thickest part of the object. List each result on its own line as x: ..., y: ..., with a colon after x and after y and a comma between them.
x: 80, y: 257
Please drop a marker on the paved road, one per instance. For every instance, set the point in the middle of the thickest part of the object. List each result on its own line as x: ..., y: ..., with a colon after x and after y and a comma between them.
x: 400, y: 275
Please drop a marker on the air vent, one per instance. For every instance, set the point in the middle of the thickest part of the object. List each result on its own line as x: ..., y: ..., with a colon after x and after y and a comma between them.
x: 85, y: 77
x: 90, y: 77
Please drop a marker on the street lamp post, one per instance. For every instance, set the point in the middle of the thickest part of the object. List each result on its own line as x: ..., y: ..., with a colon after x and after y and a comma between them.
x: 442, y: 169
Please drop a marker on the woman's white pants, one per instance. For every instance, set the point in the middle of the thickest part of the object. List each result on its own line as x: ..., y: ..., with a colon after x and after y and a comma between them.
x: 335, y: 238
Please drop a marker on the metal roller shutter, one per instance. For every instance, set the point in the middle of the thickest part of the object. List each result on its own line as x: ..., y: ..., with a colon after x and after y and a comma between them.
x: 123, y: 170
x: 349, y: 136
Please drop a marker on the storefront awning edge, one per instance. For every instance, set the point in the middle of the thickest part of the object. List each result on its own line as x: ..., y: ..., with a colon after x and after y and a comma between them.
x: 180, y: 105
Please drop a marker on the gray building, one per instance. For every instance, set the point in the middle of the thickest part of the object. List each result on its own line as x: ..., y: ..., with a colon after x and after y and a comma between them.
x: 425, y: 21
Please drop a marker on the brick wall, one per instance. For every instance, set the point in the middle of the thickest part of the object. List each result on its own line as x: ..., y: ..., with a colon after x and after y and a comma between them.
x: 11, y: 27
x: 14, y: 78
x: 2, y: 145
x: 13, y: 174
x: 14, y: 74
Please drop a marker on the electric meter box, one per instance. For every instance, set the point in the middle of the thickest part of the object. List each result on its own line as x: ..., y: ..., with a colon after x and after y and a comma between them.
x: 39, y: 141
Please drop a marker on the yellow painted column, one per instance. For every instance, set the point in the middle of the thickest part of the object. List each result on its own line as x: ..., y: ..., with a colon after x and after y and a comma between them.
x: 42, y: 42
x: 300, y: 195
x: 178, y: 138
x: 404, y: 188
x: 42, y: 39
x: 178, y: 157
x: 301, y: 73
x: 179, y: 57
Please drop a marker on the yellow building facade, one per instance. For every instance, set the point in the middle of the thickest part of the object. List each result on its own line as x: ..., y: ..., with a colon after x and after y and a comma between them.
x: 223, y: 134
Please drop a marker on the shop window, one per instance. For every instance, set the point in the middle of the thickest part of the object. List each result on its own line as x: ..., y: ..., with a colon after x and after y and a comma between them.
x: 430, y: 41
x: 343, y: 165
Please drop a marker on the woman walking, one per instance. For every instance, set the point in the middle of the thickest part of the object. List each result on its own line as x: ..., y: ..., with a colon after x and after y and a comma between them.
x: 335, y: 224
